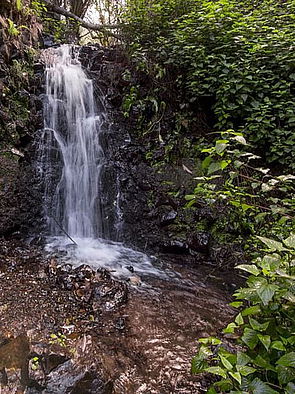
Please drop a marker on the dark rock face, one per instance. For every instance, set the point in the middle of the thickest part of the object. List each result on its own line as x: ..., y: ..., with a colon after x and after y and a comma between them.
x: 142, y: 205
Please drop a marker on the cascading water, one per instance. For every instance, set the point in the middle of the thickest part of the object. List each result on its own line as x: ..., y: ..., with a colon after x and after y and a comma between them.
x: 70, y: 163
x: 72, y: 127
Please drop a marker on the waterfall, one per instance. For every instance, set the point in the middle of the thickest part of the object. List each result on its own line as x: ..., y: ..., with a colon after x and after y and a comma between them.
x: 72, y: 126
x: 70, y: 161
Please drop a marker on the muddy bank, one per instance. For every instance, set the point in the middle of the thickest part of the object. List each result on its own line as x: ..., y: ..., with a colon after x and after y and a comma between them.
x: 83, y: 332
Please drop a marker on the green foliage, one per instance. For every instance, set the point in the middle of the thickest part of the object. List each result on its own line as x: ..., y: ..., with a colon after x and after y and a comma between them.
x: 236, y: 52
x: 264, y: 328
x: 12, y: 29
x: 259, y: 201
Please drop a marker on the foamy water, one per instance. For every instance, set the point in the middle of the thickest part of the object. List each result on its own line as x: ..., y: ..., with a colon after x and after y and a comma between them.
x: 120, y: 261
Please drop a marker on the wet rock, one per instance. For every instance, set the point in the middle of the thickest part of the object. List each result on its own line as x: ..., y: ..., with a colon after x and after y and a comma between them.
x: 73, y: 379
x: 175, y: 247
x: 168, y: 218
x: 199, y: 241
x: 52, y: 361
x: 130, y: 268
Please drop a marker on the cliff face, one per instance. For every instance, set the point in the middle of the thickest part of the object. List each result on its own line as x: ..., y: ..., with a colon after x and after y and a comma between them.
x: 143, y: 202
x: 20, y: 115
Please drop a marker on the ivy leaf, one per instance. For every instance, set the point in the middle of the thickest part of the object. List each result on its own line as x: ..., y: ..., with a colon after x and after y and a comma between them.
x: 230, y: 328
x: 242, y: 358
x: 272, y: 244
x: 206, y: 162
x: 288, y: 360
x: 198, y: 364
x: 239, y: 319
x: 216, y: 371
x: 211, y: 391
x: 265, y: 340
x: 237, y: 376
x: 236, y: 304
x: 251, y: 310
x: 258, y: 326
x: 290, y: 241
x: 266, y: 293
x: 245, y: 370
x: 250, y: 338
x: 213, y: 167
x: 226, y: 363
x: 278, y: 345
x: 220, y: 147
x: 257, y: 386
x: 263, y: 363
x: 249, y: 268
x: 285, y: 374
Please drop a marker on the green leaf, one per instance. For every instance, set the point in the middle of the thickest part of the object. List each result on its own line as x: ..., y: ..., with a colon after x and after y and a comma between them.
x: 249, y: 268
x: 211, y: 390
x: 224, y: 164
x: 213, y: 167
x: 230, y: 328
x: 226, y: 363
x: 216, y: 371
x: 240, y: 139
x: 272, y: 244
x: 242, y: 358
x: 236, y: 304
x: 206, y: 162
x: 250, y: 338
x: 290, y: 389
x: 245, y: 370
x: 266, y: 293
x: 265, y: 340
x: 285, y: 374
x: 278, y: 345
x: 239, y: 319
x: 263, y: 363
x: 198, y: 364
x: 258, y: 326
x: 220, y: 147
x: 290, y: 241
x: 251, y: 310
x: 237, y: 376
x: 288, y: 360
x: 224, y: 385
x: 257, y: 386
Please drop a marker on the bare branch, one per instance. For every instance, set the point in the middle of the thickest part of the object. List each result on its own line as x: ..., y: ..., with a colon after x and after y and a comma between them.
x: 91, y: 26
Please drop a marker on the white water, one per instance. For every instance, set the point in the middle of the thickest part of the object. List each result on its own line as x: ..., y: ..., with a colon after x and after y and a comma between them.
x: 71, y: 161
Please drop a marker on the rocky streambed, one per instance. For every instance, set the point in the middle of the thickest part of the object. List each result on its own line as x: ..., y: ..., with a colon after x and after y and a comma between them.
x: 68, y: 329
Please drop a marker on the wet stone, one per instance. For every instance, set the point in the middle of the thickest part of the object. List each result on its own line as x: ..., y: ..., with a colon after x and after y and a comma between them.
x: 199, y: 242
x: 168, y: 218
x: 52, y: 361
x: 176, y: 247
x: 72, y: 379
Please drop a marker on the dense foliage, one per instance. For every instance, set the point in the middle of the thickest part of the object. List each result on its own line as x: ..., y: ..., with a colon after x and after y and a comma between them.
x: 264, y: 362
x: 237, y: 53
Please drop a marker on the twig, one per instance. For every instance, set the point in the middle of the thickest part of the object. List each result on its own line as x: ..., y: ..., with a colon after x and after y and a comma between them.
x: 63, y: 230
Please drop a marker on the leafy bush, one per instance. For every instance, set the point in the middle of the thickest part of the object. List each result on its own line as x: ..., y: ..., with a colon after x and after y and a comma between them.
x: 238, y: 53
x: 258, y: 201
x: 264, y: 329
